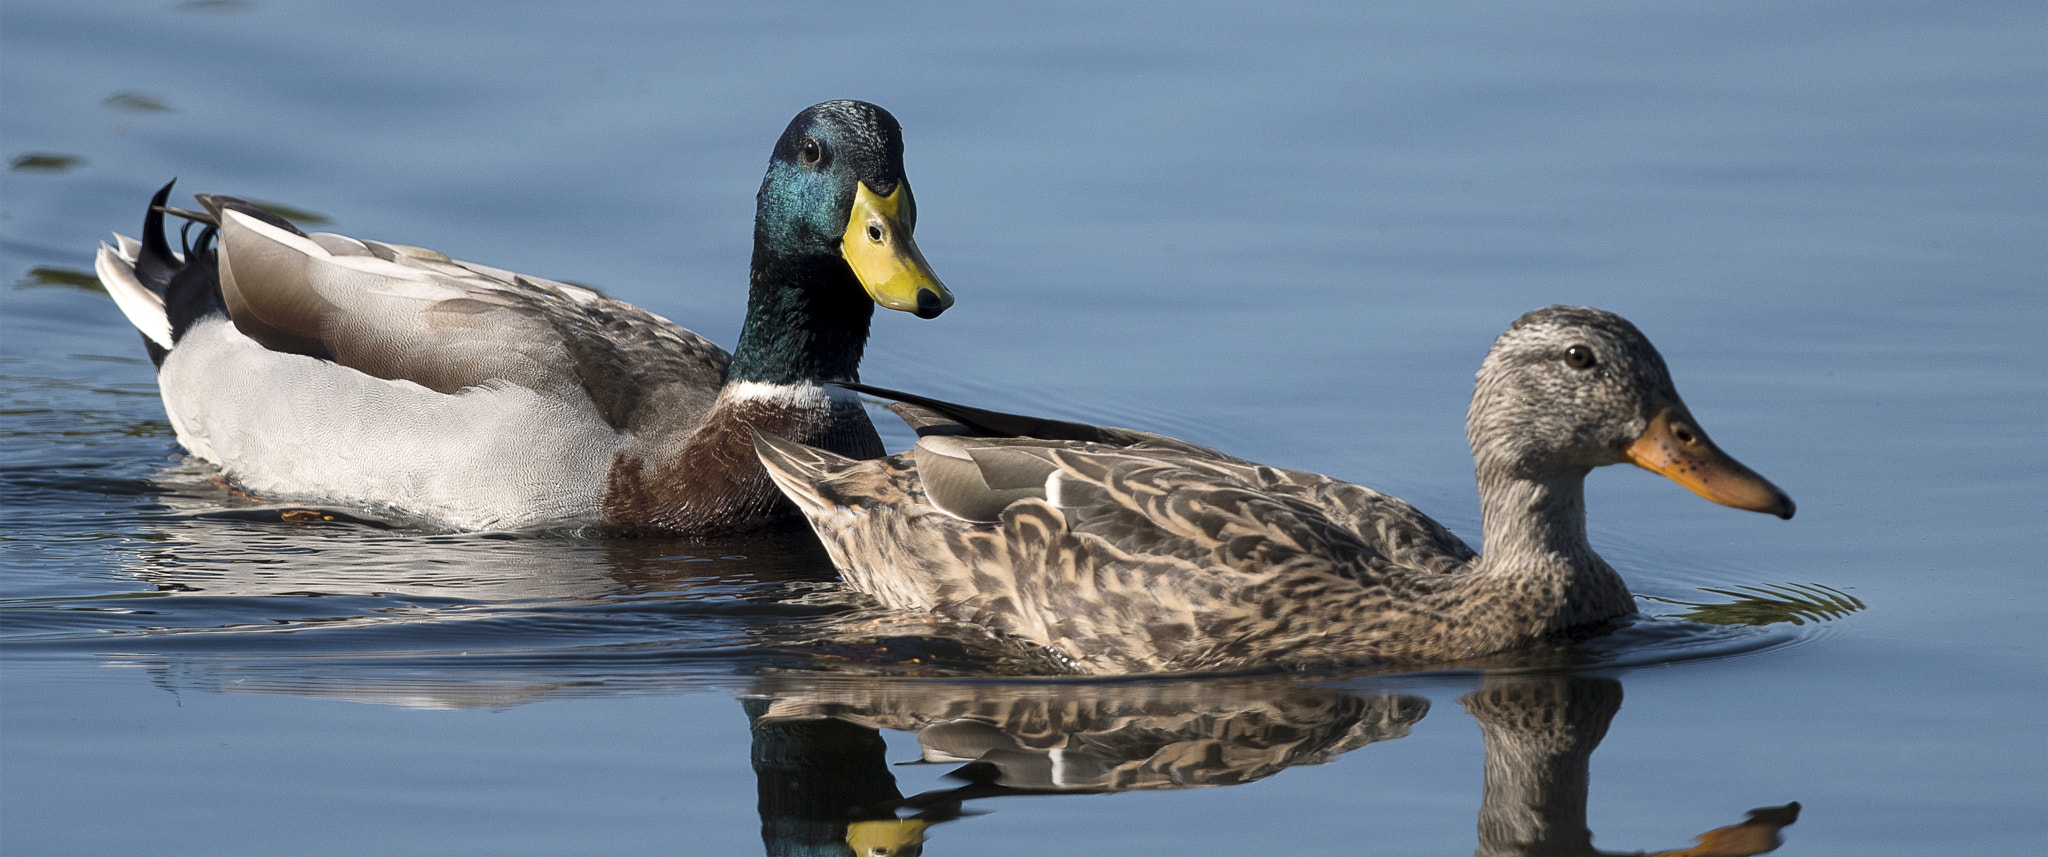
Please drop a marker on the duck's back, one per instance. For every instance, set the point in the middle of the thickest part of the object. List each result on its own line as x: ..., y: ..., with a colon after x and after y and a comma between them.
x: 406, y: 313
x: 358, y: 370
x: 1135, y: 558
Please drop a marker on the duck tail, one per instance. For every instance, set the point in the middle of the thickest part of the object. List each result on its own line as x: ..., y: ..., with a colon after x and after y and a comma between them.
x: 860, y: 510
x: 134, y: 284
x: 163, y: 292
x: 800, y: 471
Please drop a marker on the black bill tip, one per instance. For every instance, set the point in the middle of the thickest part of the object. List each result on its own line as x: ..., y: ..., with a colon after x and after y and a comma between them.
x: 929, y: 304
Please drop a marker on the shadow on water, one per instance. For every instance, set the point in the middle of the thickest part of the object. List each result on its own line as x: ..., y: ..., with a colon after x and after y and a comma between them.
x: 825, y: 785
x: 480, y: 621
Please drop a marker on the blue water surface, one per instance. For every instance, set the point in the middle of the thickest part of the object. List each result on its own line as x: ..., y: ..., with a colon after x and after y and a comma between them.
x: 1286, y: 230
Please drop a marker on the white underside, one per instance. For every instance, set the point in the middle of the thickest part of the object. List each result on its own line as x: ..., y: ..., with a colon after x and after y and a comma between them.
x: 287, y: 425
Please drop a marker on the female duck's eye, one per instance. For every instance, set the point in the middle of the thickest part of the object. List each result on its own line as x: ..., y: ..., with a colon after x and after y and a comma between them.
x: 1579, y: 357
x: 809, y: 152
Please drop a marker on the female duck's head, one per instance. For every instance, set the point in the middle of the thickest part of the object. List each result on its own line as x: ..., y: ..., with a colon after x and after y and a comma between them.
x: 1567, y: 389
x: 835, y: 190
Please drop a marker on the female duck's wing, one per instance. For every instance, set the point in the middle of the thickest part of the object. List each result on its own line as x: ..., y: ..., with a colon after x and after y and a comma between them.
x: 405, y: 313
x: 1123, y: 559
x: 1389, y: 525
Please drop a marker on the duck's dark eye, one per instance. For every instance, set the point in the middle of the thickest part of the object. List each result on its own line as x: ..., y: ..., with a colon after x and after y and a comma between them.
x: 1579, y: 357
x: 809, y: 152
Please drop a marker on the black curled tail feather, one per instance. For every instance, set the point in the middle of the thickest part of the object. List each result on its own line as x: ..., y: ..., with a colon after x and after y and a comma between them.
x: 156, y: 264
x: 193, y: 292
x: 190, y: 286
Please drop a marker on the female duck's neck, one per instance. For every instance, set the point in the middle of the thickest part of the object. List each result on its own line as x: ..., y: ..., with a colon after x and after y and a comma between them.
x: 1537, y: 520
x: 1535, y: 530
x: 807, y: 322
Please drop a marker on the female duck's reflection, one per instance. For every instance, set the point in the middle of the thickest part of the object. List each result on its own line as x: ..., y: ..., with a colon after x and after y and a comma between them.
x: 825, y: 783
x: 825, y: 786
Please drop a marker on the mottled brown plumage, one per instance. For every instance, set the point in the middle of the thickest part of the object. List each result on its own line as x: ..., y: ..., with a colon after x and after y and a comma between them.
x: 1143, y: 555
x: 1121, y: 737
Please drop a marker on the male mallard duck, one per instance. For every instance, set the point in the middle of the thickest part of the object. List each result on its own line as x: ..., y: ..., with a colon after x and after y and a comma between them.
x: 1124, y: 551
x: 325, y: 366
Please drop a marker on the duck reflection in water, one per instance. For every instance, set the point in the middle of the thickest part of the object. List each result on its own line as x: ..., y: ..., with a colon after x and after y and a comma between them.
x: 825, y: 786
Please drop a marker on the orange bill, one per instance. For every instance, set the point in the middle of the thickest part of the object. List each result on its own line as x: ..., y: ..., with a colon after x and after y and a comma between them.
x: 1676, y: 449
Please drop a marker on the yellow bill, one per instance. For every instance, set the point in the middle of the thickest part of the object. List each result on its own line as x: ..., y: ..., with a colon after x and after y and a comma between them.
x: 877, y: 246
x: 1677, y: 450
x: 886, y: 836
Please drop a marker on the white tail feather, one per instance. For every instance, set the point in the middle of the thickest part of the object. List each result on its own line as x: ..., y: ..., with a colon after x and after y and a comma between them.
x: 144, y: 308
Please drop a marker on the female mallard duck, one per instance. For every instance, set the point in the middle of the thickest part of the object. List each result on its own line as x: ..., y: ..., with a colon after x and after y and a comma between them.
x: 1124, y: 551
x: 325, y: 366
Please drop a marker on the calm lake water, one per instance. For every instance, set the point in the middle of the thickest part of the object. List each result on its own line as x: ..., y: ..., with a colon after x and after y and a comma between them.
x: 1290, y: 233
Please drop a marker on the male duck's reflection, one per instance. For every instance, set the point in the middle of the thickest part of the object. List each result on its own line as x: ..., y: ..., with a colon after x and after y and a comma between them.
x: 825, y: 785
x: 219, y: 542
